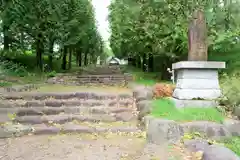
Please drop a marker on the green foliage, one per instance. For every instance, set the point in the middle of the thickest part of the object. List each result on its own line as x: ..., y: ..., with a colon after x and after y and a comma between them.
x: 231, y: 92
x: 5, y: 84
x: 36, y: 27
x: 12, y: 68
x: 52, y: 74
x: 160, y: 28
x: 165, y: 108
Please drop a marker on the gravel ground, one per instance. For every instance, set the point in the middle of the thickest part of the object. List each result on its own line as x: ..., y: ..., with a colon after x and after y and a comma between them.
x: 84, y: 147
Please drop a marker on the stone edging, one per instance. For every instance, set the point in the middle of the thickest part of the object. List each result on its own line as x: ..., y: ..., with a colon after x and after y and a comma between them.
x: 160, y: 131
x: 21, y: 88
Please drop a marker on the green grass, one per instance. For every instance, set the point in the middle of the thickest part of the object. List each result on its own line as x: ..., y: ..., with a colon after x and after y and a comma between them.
x: 233, y: 144
x: 144, y: 78
x: 165, y: 108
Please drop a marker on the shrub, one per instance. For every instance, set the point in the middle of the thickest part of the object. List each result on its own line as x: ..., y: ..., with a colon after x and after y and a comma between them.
x: 51, y: 74
x: 12, y: 68
x: 231, y: 92
x: 163, y: 90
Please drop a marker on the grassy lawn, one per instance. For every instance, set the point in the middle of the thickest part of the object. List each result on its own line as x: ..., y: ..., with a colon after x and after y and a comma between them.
x: 164, y: 108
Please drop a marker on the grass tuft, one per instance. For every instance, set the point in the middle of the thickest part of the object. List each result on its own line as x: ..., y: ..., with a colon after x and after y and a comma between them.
x: 166, y: 109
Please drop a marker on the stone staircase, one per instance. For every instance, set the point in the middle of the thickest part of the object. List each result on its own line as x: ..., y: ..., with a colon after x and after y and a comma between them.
x: 80, y: 112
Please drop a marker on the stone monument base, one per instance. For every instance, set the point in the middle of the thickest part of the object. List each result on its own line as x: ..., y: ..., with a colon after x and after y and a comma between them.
x: 181, y: 103
x: 197, y: 83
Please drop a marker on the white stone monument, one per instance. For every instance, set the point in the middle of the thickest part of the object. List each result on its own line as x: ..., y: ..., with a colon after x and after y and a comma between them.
x: 197, y: 82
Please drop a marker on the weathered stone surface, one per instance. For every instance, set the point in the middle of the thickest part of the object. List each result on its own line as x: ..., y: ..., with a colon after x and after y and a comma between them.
x: 209, y: 129
x: 210, y: 152
x: 125, y: 116
x: 143, y: 93
x: 233, y: 126
x: 94, y: 118
x: 144, y: 107
x: 21, y: 88
x: 63, y: 118
x: 161, y: 131
x: 217, y: 152
x: 11, y: 130
x: 195, y: 145
x: 181, y: 103
x: 119, y: 79
x: 191, y: 74
x: 237, y: 112
x: 66, y: 95
x: 197, y: 80
x: 43, y: 119
x: 190, y: 94
x: 74, y: 128
x: 212, y: 65
x: 34, y: 103
x: 44, y: 129
x: 122, y: 129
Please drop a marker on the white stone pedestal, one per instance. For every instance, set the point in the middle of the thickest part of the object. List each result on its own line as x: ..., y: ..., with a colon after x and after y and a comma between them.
x: 197, y: 83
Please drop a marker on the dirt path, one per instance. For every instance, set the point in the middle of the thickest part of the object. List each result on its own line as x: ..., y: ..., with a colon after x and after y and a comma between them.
x: 84, y: 147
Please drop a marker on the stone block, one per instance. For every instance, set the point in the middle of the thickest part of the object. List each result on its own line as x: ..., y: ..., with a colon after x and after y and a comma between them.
x: 162, y: 131
x: 199, y: 65
x: 197, y: 80
x: 208, y: 129
x: 197, y: 84
x: 194, y: 103
x: 210, y: 152
x: 190, y: 94
x: 201, y: 74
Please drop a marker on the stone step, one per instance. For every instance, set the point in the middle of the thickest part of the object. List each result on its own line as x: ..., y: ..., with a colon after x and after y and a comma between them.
x: 78, y: 128
x: 70, y: 102
x: 63, y: 118
x: 66, y: 95
x: 16, y: 129
x: 23, y: 111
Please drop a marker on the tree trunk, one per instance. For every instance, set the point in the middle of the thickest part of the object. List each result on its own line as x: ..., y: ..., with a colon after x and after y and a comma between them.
x: 150, y: 63
x: 70, y: 58
x: 144, y: 64
x: 39, y: 51
x: 64, y: 58
x: 139, y: 63
x: 6, y: 38
x: 77, y: 58
x: 85, y: 59
x: 50, y: 57
x: 79, y: 53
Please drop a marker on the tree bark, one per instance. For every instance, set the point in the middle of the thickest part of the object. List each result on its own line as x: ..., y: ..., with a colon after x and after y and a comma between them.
x: 85, y: 59
x: 150, y: 63
x: 70, y: 58
x: 79, y: 53
x: 144, y: 64
x: 6, y: 38
x: 39, y: 52
x: 50, y: 57
x: 64, y: 58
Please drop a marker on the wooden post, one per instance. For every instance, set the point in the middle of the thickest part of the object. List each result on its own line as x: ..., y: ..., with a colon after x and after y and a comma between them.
x: 197, y: 38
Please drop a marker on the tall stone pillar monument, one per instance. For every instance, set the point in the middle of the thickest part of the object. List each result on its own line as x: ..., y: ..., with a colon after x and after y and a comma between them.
x: 197, y: 83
